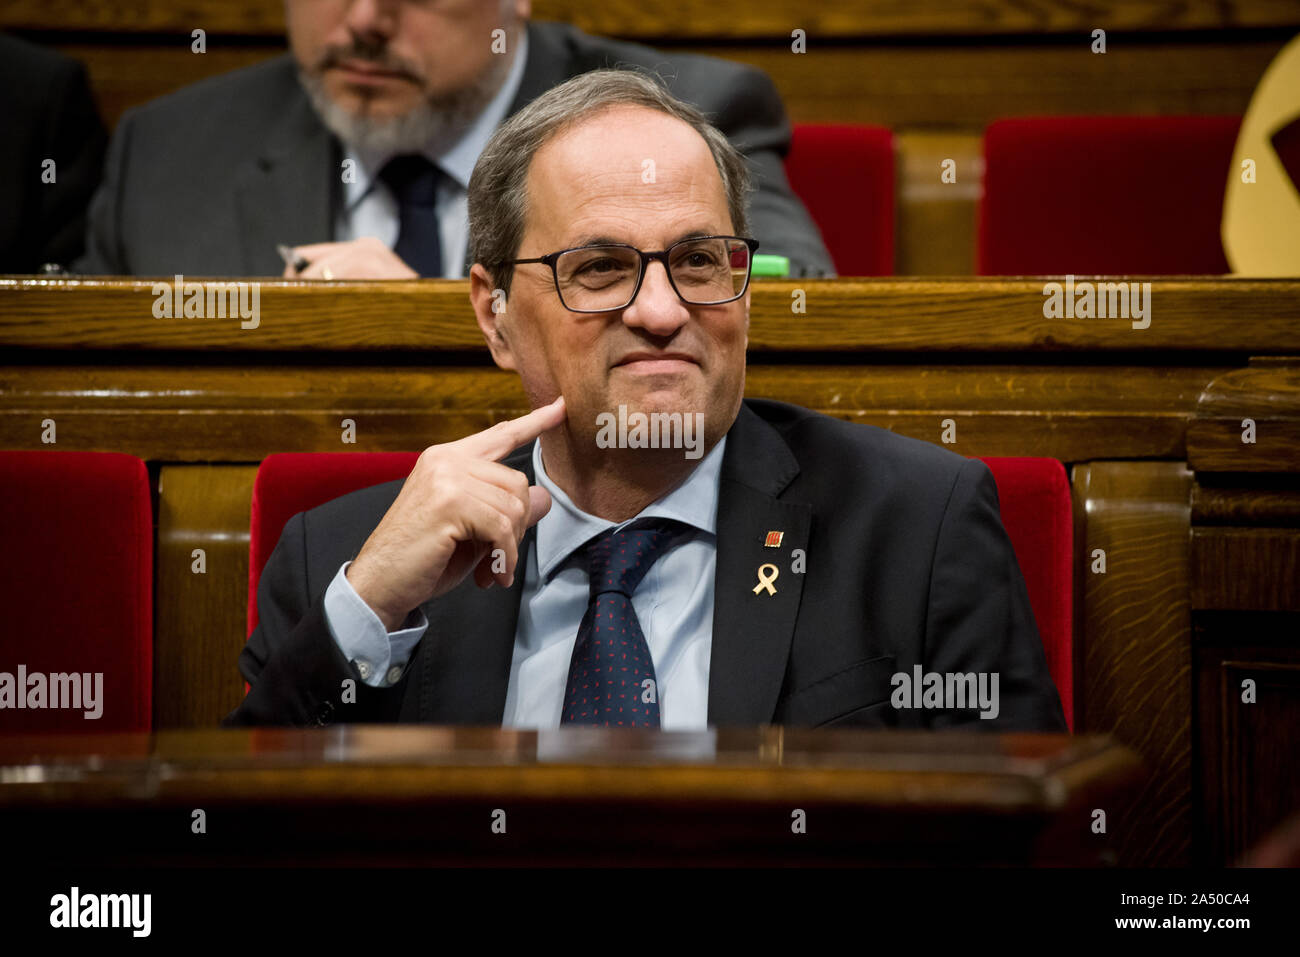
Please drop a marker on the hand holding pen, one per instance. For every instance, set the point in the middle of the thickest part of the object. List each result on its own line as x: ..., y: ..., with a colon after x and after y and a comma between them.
x: 364, y: 258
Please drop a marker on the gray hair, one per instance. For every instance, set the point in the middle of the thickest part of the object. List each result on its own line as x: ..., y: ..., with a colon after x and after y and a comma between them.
x: 498, y: 193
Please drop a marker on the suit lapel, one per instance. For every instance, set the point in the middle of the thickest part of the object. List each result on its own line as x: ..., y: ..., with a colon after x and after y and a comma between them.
x: 279, y: 193
x: 548, y: 64
x: 466, y: 674
x: 752, y: 631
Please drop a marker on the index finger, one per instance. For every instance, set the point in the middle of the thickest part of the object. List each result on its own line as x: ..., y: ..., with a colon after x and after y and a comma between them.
x: 504, y: 437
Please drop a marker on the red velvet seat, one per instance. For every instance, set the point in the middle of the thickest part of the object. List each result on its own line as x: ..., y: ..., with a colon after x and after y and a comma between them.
x: 1116, y: 195
x: 1034, y: 496
x: 845, y: 177
x: 76, y: 586
x: 291, y: 482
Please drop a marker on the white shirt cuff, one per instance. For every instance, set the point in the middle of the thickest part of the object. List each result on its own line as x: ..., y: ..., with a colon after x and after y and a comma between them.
x: 380, y: 656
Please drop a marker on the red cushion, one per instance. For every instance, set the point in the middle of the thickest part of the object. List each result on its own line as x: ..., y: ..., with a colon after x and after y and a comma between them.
x: 292, y: 482
x: 1034, y: 496
x: 845, y: 177
x: 76, y: 584
x: 1117, y: 195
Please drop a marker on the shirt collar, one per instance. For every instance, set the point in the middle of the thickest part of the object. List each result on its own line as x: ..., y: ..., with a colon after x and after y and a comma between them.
x: 457, y: 160
x: 566, y: 527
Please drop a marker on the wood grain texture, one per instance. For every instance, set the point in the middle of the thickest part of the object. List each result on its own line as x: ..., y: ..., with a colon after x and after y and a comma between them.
x: 1246, y: 569
x: 1268, y: 386
x: 1249, y: 777
x: 199, y: 619
x: 935, y: 221
x: 1245, y: 594
x: 1136, y: 669
x: 1273, y: 500
x: 705, y: 18
x: 1248, y: 420
x: 1215, y: 444
x: 226, y: 411
x: 246, y: 17
x: 1252, y: 316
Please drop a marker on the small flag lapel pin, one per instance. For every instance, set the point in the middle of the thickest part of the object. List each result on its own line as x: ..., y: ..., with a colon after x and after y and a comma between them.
x: 773, y: 539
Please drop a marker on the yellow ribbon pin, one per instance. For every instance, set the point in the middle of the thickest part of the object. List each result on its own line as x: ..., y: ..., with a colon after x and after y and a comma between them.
x: 766, y: 575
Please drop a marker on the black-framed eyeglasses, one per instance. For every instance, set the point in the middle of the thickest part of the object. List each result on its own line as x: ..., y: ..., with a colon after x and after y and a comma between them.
x: 703, y: 271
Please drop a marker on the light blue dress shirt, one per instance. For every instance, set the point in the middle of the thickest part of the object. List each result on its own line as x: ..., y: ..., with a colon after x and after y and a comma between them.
x: 370, y: 209
x: 674, y: 604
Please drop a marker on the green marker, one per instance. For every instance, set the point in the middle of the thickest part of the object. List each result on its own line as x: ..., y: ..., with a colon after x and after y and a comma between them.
x: 773, y: 267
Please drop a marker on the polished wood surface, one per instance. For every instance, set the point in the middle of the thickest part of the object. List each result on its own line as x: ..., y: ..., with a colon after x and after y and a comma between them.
x: 201, y: 575
x: 1248, y: 420
x: 1255, y: 316
x: 247, y: 411
x: 1249, y: 776
x: 1273, y: 501
x: 1246, y: 569
x: 1134, y: 631
x: 574, y: 795
x: 934, y: 221
x: 1244, y: 445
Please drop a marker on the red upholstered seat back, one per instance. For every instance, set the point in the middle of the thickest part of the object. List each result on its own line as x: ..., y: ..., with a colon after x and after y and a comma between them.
x: 1105, y: 195
x: 845, y: 177
x: 1034, y: 496
x: 292, y: 482
x: 76, y: 586
x: 1033, y: 492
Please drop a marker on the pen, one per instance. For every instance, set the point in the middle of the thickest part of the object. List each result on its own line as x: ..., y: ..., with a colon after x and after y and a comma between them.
x: 291, y: 258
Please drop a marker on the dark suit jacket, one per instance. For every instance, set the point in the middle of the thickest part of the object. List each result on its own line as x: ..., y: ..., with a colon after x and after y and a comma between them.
x: 206, y: 181
x: 48, y: 114
x: 907, y: 563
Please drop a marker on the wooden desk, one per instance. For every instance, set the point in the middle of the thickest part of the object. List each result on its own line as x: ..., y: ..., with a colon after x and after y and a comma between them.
x: 404, y: 795
x: 203, y: 400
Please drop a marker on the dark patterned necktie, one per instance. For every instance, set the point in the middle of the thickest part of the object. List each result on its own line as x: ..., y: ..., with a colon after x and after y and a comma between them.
x: 414, y: 182
x: 611, y: 662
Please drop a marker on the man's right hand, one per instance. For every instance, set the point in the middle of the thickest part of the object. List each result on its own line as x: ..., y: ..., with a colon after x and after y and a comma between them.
x: 458, y: 506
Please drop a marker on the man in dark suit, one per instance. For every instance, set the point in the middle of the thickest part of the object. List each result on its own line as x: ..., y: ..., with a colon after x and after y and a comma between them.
x: 356, y: 149
x: 749, y: 562
x: 51, y: 158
